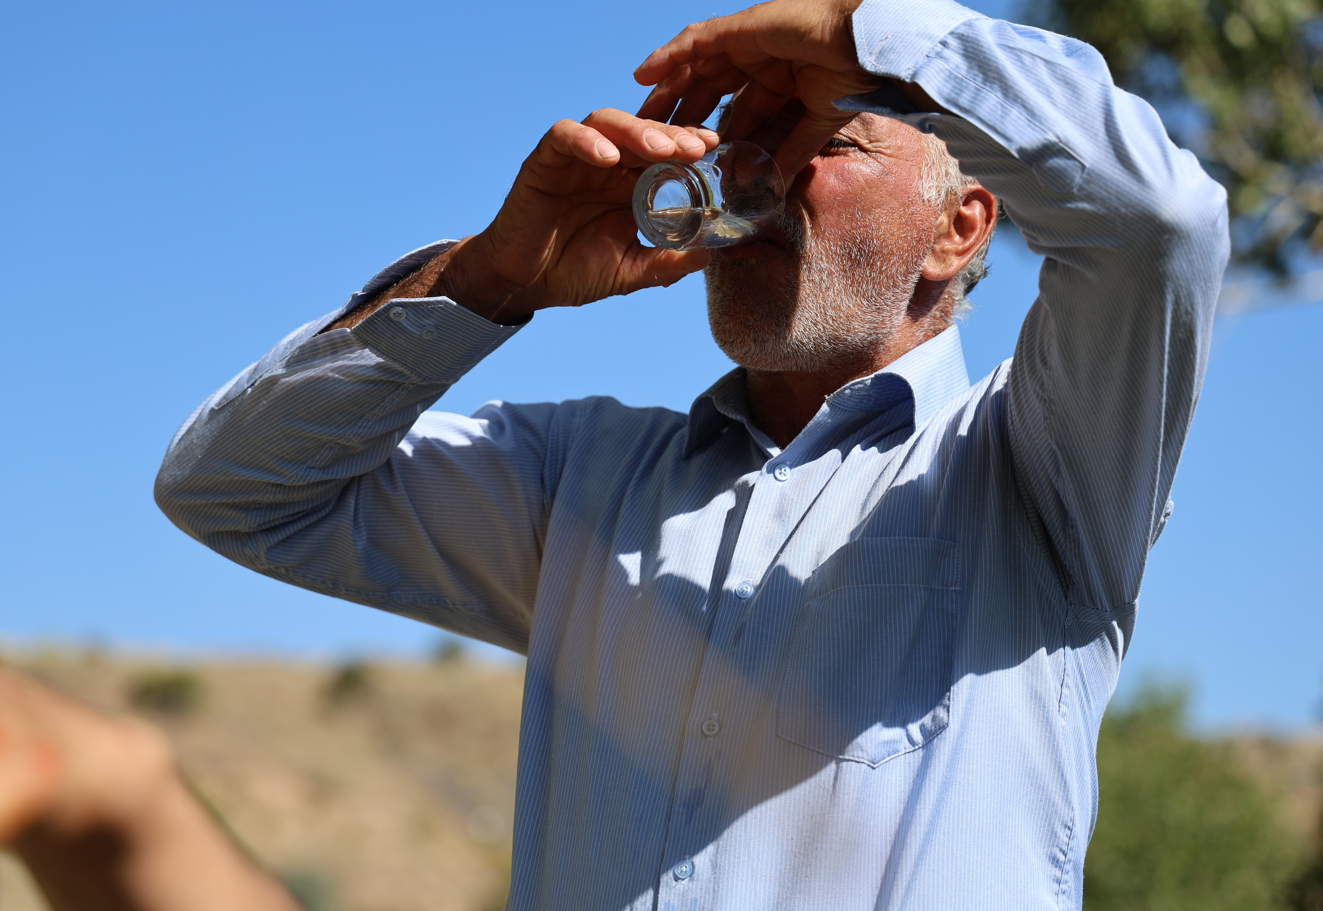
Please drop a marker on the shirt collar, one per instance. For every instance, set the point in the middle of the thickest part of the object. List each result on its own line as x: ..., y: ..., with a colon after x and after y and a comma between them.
x: 930, y: 375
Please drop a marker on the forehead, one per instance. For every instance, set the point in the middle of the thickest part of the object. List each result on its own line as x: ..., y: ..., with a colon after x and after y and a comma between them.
x: 884, y: 135
x: 872, y: 133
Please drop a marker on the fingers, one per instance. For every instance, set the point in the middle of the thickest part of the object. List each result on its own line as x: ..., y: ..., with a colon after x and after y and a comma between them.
x: 815, y: 32
x: 649, y: 267
x: 702, y: 39
x: 698, y: 89
x: 818, y: 90
x: 609, y: 137
x: 755, y: 107
x: 573, y: 140
x: 698, y: 103
x: 768, y: 53
x: 806, y: 140
x: 710, y: 137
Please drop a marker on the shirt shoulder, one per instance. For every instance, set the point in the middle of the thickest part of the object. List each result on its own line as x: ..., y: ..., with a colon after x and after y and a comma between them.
x: 603, y: 432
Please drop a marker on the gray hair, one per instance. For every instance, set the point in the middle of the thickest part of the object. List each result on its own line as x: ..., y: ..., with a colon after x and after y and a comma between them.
x: 940, y: 179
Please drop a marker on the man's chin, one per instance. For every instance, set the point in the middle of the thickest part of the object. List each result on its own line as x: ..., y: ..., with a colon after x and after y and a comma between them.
x: 751, y: 301
x: 749, y: 334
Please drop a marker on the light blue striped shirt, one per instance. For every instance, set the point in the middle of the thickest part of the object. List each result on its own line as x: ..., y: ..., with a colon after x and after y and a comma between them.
x: 863, y: 672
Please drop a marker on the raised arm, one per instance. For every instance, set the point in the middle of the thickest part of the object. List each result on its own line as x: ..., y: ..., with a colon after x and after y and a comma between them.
x: 1110, y: 360
x: 1111, y: 357
x: 318, y: 465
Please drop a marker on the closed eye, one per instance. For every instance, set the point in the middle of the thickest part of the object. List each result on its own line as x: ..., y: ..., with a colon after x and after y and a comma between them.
x: 837, y: 144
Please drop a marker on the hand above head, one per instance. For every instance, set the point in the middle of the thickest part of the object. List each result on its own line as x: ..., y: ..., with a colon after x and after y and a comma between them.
x: 766, y: 54
x: 565, y: 235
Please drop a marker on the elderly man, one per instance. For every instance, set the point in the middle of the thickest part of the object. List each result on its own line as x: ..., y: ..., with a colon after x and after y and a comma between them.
x: 841, y: 636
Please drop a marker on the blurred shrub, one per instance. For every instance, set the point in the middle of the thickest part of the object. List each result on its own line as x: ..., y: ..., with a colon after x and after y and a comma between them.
x: 310, y: 888
x: 449, y: 650
x: 500, y: 860
x: 173, y: 692
x: 1305, y: 893
x: 1180, y: 825
x: 349, y: 683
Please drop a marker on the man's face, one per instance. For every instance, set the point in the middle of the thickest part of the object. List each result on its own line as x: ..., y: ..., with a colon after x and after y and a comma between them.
x: 829, y: 293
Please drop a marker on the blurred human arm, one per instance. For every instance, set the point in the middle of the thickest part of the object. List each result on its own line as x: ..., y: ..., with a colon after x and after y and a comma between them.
x: 94, y: 806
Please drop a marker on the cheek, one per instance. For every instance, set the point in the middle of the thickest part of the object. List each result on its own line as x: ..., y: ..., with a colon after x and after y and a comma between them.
x: 840, y: 195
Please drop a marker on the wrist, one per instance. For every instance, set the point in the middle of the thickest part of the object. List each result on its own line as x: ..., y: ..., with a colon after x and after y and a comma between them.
x: 469, y: 278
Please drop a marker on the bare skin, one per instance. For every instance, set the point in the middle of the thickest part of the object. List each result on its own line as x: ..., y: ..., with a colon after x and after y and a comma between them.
x: 872, y: 165
x: 94, y: 806
x: 862, y: 185
x: 565, y: 235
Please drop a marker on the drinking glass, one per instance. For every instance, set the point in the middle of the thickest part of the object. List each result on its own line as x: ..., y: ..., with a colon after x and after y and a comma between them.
x: 730, y: 195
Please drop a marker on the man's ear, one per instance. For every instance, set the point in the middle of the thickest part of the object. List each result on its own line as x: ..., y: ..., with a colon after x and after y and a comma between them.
x: 961, y: 232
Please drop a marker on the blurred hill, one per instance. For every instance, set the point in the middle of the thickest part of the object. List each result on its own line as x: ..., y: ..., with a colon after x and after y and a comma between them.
x: 390, y: 787
x: 367, y: 787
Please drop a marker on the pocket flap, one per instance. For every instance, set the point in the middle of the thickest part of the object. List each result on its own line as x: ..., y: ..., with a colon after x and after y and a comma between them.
x: 868, y: 670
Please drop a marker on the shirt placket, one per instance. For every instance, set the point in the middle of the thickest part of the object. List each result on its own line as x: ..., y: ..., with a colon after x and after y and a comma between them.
x: 782, y: 493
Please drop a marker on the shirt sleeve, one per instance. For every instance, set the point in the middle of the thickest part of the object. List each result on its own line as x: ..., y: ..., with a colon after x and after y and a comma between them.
x: 318, y: 466
x: 1110, y: 359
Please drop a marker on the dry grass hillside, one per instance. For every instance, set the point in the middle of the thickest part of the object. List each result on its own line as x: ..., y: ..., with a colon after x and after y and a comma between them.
x: 368, y: 787
x: 390, y: 787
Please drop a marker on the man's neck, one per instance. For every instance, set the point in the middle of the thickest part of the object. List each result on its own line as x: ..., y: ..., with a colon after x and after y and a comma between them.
x: 783, y: 402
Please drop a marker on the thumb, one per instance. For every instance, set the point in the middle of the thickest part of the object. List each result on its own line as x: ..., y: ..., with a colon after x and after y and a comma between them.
x: 661, y: 268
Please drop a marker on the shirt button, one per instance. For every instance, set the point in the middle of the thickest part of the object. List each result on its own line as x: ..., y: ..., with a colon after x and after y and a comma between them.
x: 397, y: 313
x: 684, y: 869
x: 782, y: 473
x: 711, y: 727
x: 744, y: 591
x: 428, y: 334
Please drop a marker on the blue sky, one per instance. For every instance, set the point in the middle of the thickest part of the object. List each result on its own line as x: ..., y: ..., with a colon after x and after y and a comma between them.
x: 184, y: 183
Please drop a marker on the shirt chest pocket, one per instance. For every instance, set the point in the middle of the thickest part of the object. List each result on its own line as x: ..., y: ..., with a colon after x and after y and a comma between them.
x: 868, y: 670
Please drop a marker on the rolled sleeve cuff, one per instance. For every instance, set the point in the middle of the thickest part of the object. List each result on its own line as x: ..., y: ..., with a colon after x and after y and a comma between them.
x: 893, y: 37
x: 433, y: 338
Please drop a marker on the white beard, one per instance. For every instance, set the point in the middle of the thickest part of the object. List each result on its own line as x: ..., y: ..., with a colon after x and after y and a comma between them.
x: 849, y: 295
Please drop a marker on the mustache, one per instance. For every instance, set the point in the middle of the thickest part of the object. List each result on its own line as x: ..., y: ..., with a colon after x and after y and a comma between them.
x: 792, y: 223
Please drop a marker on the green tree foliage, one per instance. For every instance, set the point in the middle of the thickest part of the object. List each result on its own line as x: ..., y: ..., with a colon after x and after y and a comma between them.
x: 1180, y: 826
x: 1305, y: 892
x: 1240, y: 82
